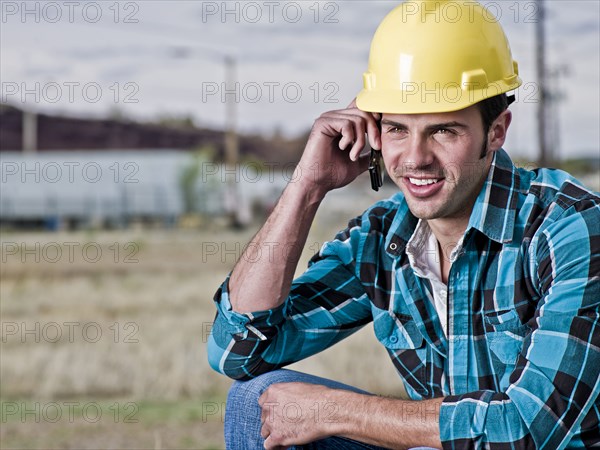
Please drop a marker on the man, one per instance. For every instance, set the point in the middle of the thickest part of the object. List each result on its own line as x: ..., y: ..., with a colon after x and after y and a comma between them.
x: 482, y: 280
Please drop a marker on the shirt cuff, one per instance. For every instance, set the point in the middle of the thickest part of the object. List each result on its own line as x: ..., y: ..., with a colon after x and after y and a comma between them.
x: 463, y: 417
x: 240, y: 326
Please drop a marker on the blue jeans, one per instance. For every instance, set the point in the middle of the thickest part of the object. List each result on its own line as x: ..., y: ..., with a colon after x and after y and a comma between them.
x: 242, y: 414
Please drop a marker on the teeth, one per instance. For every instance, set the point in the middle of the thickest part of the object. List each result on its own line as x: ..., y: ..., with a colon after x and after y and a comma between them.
x: 423, y: 182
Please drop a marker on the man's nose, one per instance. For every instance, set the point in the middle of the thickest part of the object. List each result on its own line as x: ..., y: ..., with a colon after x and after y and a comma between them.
x: 417, y: 154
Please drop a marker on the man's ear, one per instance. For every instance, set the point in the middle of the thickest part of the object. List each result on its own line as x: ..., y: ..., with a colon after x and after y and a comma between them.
x: 498, y: 130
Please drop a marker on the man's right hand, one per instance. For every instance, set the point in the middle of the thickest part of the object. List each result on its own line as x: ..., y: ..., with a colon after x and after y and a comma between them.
x: 331, y: 158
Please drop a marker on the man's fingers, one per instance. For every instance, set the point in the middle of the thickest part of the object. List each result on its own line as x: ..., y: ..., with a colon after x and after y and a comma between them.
x: 363, y: 123
x: 267, y: 444
x: 364, y: 161
x: 348, y: 137
x: 271, y: 446
x: 263, y: 414
x: 372, y: 131
x: 358, y: 146
x: 264, y: 432
x: 374, y: 135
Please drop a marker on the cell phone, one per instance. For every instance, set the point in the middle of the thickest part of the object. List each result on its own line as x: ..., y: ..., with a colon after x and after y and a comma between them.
x: 375, y: 166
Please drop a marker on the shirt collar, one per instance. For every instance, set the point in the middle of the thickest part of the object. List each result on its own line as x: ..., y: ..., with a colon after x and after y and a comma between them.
x: 418, y: 249
x: 493, y: 212
x: 423, y: 252
x: 401, y: 229
x: 495, y: 208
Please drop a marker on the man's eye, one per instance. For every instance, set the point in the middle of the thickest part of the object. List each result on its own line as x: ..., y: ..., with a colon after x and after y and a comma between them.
x: 395, y: 130
x: 446, y: 131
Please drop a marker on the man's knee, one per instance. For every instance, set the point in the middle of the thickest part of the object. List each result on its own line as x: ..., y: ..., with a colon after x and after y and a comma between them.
x: 243, y: 391
x: 242, y: 414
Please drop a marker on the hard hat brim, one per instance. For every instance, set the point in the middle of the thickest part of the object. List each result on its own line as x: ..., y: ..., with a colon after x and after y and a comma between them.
x: 417, y: 100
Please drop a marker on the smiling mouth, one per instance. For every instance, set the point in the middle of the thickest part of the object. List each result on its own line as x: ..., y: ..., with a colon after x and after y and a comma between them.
x: 423, y: 188
x: 423, y: 181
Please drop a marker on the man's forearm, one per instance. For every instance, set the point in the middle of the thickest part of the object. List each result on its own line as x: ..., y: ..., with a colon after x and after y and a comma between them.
x: 388, y: 422
x: 264, y: 283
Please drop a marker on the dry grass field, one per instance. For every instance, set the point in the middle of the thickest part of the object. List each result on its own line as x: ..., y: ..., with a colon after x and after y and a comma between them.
x: 104, y: 333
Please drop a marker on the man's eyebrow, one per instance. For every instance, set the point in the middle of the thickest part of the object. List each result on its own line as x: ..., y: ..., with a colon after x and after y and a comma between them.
x: 453, y: 124
x: 435, y: 126
x: 394, y: 124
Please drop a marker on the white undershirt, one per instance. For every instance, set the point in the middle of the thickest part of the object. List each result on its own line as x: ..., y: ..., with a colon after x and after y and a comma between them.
x: 424, y: 258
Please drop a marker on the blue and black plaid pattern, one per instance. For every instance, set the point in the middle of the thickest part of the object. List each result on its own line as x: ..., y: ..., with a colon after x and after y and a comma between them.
x: 520, y: 367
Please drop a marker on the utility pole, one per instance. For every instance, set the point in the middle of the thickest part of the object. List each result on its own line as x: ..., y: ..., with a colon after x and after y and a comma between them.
x: 545, y: 153
x: 231, y: 140
x: 29, y: 132
x: 233, y: 203
x: 555, y: 97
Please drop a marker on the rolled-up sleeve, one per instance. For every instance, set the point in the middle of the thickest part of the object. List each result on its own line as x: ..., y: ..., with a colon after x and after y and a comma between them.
x: 326, y: 304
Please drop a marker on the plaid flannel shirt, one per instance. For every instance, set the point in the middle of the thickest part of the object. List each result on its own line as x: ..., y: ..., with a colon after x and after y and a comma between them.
x: 520, y: 367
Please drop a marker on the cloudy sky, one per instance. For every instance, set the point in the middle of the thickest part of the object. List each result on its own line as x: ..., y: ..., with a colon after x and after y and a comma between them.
x: 294, y: 60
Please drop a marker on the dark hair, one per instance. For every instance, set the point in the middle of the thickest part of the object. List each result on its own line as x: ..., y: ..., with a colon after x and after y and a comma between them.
x: 490, y: 109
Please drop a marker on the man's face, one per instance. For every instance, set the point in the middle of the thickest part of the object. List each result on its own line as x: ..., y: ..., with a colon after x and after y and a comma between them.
x: 435, y: 159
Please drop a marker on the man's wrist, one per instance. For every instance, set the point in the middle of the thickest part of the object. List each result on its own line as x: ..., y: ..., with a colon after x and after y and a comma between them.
x: 345, y: 419
x: 311, y: 193
x: 363, y: 417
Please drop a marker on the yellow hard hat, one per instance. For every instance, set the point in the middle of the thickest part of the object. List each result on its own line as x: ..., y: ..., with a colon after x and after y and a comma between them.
x: 432, y: 56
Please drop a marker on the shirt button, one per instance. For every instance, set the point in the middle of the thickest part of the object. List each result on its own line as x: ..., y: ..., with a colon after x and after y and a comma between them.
x: 393, y: 246
x: 393, y: 339
x: 443, y: 293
